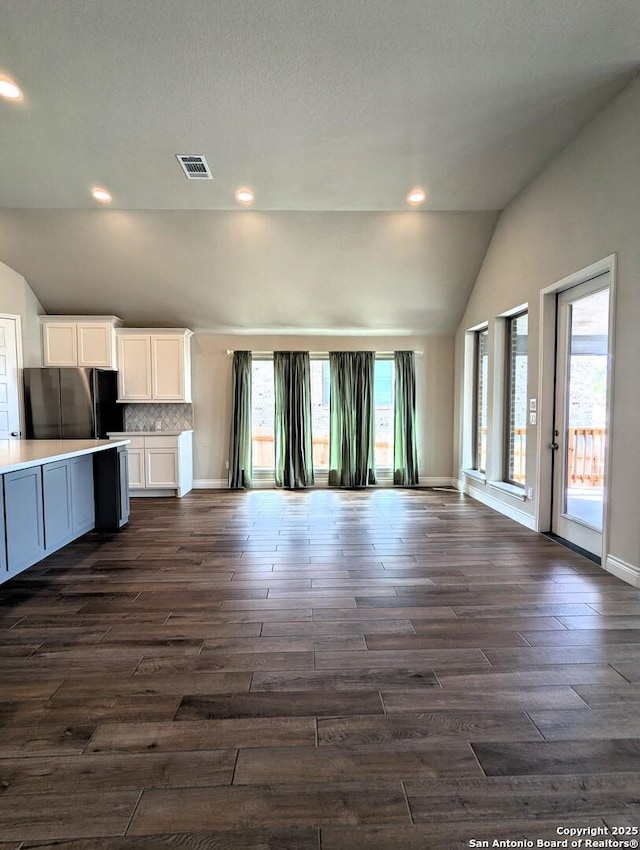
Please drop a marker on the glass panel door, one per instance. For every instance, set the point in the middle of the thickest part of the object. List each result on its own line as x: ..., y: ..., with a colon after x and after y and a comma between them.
x: 580, y: 433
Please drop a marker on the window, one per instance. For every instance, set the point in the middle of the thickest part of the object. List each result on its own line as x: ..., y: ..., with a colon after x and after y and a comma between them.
x: 481, y: 386
x: 320, y: 412
x: 516, y: 399
x: 262, y: 415
x: 383, y: 401
x: 263, y: 408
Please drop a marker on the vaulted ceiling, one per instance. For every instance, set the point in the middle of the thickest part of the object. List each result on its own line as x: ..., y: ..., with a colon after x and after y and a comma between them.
x: 320, y: 107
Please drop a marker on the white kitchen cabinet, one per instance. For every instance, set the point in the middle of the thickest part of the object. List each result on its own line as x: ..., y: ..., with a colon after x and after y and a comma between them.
x: 134, y: 367
x: 87, y: 341
x: 136, y: 463
x: 161, y: 467
x: 160, y: 464
x: 154, y: 364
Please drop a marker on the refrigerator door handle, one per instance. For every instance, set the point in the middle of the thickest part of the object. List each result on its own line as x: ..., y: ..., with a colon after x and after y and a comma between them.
x: 96, y: 406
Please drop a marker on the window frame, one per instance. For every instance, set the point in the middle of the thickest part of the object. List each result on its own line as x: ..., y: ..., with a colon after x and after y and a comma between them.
x: 476, y: 408
x: 324, y: 359
x: 509, y: 323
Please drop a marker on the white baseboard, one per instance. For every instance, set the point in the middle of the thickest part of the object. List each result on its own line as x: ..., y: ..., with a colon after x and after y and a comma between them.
x: 153, y: 494
x: 436, y: 482
x: 620, y: 569
x: 321, y: 481
x: 480, y: 495
x: 210, y: 484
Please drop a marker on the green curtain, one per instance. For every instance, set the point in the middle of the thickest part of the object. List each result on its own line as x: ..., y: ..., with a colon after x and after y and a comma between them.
x: 352, y: 419
x: 292, y: 384
x: 405, y: 454
x: 240, y: 439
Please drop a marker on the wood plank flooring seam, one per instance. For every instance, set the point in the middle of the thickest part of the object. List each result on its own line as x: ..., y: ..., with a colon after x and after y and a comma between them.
x: 133, y: 813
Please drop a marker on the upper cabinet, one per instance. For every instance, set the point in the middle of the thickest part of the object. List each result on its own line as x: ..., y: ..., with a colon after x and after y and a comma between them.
x: 154, y: 364
x: 88, y: 341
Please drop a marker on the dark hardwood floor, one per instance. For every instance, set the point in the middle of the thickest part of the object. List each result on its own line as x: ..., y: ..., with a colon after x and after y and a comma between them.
x: 322, y: 670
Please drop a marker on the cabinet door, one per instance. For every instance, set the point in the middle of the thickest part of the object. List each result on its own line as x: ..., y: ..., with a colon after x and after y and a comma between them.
x: 162, y: 467
x: 136, y: 469
x: 95, y: 345
x: 134, y: 367
x: 3, y: 547
x: 59, y: 344
x: 123, y: 472
x: 24, y: 518
x: 83, y: 508
x: 167, y: 358
x: 58, y: 519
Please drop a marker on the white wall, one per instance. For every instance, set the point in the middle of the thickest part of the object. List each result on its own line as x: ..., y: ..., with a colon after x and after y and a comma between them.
x: 212, y: 393
x: 583, y: 207
x: 251, y: 271
x: 16, y: 298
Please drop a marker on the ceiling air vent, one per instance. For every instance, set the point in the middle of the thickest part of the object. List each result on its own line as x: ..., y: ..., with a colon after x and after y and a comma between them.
x: 194, y: 166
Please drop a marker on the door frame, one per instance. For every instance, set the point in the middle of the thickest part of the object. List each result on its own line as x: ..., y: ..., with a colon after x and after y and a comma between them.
x: 20, y: 365
x: 546, y: 391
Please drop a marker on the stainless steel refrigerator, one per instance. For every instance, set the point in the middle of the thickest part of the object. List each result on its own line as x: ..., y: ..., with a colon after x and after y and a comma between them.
x: 71, y: 404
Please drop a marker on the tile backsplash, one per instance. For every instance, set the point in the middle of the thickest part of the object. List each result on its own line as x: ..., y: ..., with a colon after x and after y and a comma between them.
x: 143, y: 417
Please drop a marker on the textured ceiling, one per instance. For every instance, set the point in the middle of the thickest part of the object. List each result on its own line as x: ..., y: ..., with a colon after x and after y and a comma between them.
x: 330, y: 105
x: 331, y: 110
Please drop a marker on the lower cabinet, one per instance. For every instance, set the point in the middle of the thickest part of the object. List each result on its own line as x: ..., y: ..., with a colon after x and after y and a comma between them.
x: 69, y: 504
x: 112, y: 491
x: 83, y: 505
x: 57, y: 501
x: 163, y: 462
x: 24, y: 518
x: 46, y: 506
x: 3, y: 549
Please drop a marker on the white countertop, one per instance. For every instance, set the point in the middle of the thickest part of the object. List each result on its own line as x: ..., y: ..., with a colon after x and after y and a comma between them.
x: 21, y: 454
x: 163, y: 432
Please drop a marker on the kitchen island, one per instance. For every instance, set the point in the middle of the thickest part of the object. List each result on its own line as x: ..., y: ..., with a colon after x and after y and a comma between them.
x: 53, y: 491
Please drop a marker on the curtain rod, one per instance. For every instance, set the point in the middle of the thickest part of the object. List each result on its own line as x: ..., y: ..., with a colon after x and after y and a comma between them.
x: 231, y: 351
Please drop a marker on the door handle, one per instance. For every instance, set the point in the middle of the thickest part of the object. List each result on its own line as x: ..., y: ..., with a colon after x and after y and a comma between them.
x: 15, y: 433
x: 554, y: 446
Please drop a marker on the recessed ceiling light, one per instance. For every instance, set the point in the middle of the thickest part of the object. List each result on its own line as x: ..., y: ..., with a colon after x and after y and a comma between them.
x: 101, y: 194
x: 416, y: 197
x: 245, y: 196
x: 9, y: 89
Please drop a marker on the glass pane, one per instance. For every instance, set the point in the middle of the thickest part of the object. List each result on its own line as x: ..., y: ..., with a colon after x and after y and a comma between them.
x: 383, y: 399
x: 320, y: 413
x: 517, y: 395
x: 587, y: 408
x: 482, y: 376
x: 262, y: 415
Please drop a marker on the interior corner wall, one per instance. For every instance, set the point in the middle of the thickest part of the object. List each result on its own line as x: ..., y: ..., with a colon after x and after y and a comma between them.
x: 17, y: 298
x: 584, y: 206
x: 212, y: 394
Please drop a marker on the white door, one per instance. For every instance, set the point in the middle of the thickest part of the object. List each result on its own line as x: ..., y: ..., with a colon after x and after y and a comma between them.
x: 10, y: 358
x: 581, y: 405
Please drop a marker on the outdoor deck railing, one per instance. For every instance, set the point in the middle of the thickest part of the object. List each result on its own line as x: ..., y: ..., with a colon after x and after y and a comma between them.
x: 585, y: 454
x: 263, y: 450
